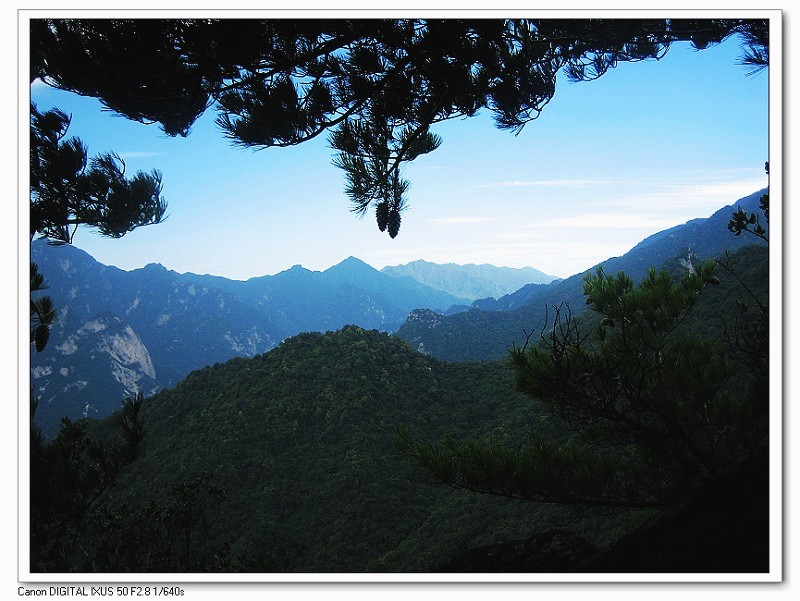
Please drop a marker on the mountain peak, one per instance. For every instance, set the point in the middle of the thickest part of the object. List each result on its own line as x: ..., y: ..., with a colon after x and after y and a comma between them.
x: 350, y: 263
x: 351, y: 260
x: 294, y: 269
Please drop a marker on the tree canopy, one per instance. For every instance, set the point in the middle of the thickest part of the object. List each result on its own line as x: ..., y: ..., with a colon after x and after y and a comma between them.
x: 376, y: 86
x: 68, y: 189
x: 656, y: 411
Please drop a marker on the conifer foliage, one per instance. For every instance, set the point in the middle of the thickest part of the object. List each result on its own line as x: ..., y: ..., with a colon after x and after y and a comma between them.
x: 376, y: 86
x: 70, y: 479
x: 655, y: 413
x: 43, y: 311
x: 68, y: 189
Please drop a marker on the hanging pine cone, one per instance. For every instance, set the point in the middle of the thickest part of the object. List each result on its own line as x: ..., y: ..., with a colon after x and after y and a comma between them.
x: 382, y: 215
x: 393, y: 222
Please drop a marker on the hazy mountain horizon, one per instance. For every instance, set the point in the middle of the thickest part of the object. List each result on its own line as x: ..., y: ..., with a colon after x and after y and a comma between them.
x: 386, y: 268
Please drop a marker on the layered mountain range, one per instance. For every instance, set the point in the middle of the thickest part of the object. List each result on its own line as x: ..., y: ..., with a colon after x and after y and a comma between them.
x: 301, y: 440
x: 470, y: 281
x: 297, y: 432
x: 119, y: 333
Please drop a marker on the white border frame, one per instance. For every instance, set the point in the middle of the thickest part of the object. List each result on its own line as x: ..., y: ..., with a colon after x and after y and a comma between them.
x: 777, y: 424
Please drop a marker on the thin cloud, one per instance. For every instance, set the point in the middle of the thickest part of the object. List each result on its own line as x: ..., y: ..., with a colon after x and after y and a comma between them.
x: 725, y: 173
x: 601, y: 221
x: 550, y: 183
x: 459, y: 220
x: 731, y: 190
x: 681, y: 195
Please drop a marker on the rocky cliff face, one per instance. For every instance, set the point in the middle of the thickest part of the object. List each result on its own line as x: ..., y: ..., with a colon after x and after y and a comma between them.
x: 171, y: 324
x: 89, y: 371
x: 121, y: 333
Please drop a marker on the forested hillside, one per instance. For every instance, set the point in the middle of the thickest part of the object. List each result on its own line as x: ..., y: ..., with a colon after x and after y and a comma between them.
x: 301, y: 442
x: 119, y: 333
x: 300, y: 439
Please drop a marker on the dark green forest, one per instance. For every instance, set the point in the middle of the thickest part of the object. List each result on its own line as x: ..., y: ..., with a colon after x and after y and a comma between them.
x: 294, y: 461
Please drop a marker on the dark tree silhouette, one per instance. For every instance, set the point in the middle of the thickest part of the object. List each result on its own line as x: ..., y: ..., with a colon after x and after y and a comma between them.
x: 68, y: 190
x: 70, y: 479
x: 376, y: 86
x: 654, y: 413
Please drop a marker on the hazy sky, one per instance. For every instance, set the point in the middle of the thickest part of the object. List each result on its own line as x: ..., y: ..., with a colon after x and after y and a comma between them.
x: 646, y: 147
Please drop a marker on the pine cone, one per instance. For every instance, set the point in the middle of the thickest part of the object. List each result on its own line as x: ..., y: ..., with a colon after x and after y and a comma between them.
x: 393, y: 222
x: 382, y: 215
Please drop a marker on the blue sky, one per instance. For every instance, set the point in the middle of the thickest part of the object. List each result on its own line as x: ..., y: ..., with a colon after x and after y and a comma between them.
x: 646, y: 147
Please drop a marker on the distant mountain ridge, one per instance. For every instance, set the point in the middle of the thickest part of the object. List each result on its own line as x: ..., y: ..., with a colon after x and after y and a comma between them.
x: 493, y: 326
x: 182, y: 322
x: 705, y: 237
x: 123, y: 332
x: 350, y: 292
x: 470, y: 281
